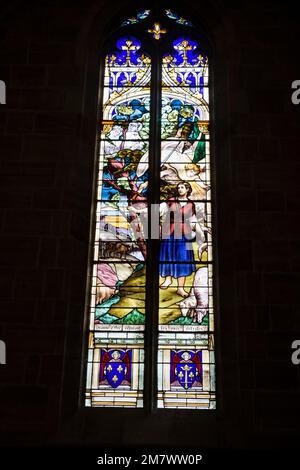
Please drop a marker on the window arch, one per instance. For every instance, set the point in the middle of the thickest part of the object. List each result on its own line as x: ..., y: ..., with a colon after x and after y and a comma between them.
x: 151, y: 320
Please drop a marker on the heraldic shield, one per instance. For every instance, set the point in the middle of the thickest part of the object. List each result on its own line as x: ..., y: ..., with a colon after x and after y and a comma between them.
x: 115, y: 367
x: 186, y: 369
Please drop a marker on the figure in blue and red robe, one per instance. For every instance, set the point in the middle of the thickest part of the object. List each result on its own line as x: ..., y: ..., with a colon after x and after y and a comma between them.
x: 176, y: 251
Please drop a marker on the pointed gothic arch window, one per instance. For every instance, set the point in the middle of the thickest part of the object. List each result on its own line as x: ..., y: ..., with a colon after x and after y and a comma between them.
x: 151, y: 318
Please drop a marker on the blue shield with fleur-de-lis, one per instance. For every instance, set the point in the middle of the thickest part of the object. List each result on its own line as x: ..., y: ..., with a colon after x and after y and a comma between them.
x: 115, y: 373
x: 186, y: 373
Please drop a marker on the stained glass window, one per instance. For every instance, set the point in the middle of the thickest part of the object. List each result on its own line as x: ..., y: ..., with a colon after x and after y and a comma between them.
x: 138, y: 111
x: 117, y: 308
x: 173, y: 16
x: 136, y: 19
x: 186, y: 352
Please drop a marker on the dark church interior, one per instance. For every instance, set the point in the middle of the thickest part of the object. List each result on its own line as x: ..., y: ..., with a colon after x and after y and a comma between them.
x: 50, y: 58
